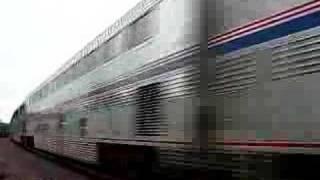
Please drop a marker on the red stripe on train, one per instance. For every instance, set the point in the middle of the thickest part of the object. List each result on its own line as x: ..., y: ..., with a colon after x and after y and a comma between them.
x: 264, y: 23
x: 283, y: 144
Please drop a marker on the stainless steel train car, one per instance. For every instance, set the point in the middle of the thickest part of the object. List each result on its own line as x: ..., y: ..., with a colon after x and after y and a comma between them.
x: 144, y: 85
x: 127, y: 95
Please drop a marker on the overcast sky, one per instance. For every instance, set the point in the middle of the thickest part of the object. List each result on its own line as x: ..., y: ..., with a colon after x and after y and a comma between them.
x: 38, y: 36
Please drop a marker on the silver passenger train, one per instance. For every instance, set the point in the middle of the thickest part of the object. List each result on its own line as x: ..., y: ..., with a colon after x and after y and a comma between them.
x: 147, y: 85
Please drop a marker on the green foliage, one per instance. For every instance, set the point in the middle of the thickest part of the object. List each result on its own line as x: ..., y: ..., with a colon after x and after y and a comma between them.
x: 4, y: 129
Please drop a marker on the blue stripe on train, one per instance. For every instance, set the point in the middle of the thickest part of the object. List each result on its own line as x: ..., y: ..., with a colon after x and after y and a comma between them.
x: 274, y: 32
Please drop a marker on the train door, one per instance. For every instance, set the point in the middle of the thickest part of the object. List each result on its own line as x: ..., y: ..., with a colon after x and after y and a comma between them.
x: 149, y: 117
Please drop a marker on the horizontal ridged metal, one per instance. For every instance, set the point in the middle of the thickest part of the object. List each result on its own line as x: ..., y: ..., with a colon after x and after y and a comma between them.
x: 297, y: 59
x: 74, y: 147
x: 234, y: 74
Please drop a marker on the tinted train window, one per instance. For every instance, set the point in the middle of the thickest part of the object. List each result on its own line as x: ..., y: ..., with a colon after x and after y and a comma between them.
x: 61, y: 125
x: 115, y: 46
x: 148, y: 117
x: 144, y: 28
x: 83, y: 124
x: 24, y: 126
x: 42, y: 128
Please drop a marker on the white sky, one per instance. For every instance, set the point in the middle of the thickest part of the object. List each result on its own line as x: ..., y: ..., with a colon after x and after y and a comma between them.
x: 38, y: 36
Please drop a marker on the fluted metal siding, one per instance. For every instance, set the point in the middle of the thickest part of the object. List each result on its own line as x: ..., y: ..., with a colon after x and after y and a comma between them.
x: 234, y: 74
x: 74, y: 147
x: 297, y: 58
x: 269, y: 105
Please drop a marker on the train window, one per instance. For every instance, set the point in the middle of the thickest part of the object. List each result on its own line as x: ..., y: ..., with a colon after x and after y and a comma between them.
x: 83, y: 126
x: 61, y: 125
x: 148, y: 117
x: 45, y: 128
x: 116, y: 45
x: 144, y: 28
x: 42, y: 128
